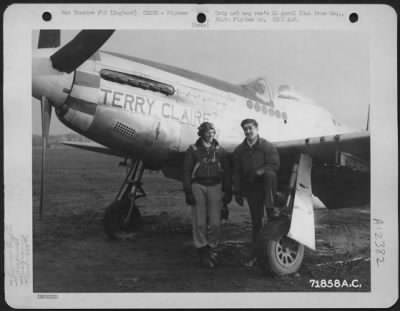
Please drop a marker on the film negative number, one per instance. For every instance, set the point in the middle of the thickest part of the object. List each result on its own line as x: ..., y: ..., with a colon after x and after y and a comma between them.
x: 379, y: 241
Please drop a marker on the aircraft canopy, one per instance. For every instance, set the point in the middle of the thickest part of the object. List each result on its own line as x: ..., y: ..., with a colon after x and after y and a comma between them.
x: 261, y: 89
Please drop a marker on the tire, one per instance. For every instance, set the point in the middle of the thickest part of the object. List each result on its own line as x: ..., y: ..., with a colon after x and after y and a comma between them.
x: 276, y: 253
x: 113, y: 218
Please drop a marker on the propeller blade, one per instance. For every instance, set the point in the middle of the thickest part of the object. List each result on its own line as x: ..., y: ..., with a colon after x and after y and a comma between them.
x: 46, y: 115
x: 79, y: 49
x: 49, y: 38
x: 368, y: 119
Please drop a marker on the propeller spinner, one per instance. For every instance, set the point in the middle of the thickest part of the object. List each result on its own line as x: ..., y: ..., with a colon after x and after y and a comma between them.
x: 52, y: 75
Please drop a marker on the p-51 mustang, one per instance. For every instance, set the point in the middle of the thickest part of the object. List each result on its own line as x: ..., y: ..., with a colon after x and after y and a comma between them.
x: 148, y: 113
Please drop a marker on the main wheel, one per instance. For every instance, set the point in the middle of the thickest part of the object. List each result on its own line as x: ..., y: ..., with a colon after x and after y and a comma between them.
x: 276, y: 253
x: 115, y: 222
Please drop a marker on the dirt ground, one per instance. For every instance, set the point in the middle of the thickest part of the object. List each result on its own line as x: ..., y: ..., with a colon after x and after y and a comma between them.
x: 72, y: 254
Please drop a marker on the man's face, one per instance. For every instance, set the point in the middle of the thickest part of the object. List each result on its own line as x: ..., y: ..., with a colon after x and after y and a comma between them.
x: 250, y: 131
x: 208, y: 136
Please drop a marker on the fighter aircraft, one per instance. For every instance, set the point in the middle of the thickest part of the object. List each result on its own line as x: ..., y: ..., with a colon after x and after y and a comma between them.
x: 148, y: 113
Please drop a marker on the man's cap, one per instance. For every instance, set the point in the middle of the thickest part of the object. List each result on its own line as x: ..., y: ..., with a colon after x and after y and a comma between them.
x: 204, y: 127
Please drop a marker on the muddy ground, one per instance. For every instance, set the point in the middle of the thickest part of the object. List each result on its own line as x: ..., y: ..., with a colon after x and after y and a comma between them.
x: 72, y: 254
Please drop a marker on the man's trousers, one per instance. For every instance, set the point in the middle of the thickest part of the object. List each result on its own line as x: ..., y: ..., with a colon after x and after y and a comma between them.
x: 206, y: 215
x: 257, y: 197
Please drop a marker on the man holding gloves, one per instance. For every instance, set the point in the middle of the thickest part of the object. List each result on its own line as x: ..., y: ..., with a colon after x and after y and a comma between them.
x: 206, y: 175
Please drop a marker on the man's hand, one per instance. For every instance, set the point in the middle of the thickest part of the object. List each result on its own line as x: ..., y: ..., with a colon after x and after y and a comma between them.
x: 227, y: 198
x: 189, y: 198
x: 224, y: 212
x: 239, y: 199
x: 259, y: 172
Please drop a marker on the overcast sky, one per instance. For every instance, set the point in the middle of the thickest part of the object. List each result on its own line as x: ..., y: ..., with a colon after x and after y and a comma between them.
x: 329, y: 67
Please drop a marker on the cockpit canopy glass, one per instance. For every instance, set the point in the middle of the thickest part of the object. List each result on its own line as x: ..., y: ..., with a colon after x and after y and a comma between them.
x: 261, y: 90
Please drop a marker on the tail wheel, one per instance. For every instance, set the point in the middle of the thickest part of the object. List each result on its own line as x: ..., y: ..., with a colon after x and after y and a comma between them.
x: 276, y: 253
x: 115, y: 222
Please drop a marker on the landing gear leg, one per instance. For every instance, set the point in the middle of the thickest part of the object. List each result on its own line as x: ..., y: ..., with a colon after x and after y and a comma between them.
x: 277, y: 251
x: 122, y: 218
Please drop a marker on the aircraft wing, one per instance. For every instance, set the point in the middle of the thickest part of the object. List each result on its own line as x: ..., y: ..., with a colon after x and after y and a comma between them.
x: 354, y: 146
x: 341, y: 166
x: 93, y: 146
x: 327, y: 149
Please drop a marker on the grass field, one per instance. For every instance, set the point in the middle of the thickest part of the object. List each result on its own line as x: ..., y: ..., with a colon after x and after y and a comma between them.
x: 72, y: 254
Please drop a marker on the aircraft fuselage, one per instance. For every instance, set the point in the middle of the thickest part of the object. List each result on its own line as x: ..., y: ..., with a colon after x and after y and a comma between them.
x: 149, y: 110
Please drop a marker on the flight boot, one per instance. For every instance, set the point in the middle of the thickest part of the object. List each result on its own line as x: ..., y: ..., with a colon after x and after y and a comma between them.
x: 205, y: 259
x: 213, y: 255
x: 250, y: 260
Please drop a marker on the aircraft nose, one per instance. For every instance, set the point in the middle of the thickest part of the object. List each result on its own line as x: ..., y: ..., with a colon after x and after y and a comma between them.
x: 47, y: 81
